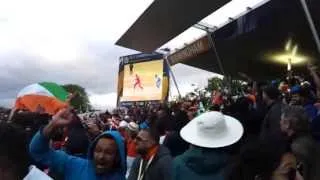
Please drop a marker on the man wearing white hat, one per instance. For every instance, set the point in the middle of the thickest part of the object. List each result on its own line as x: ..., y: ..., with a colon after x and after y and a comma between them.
x: 209, y: 134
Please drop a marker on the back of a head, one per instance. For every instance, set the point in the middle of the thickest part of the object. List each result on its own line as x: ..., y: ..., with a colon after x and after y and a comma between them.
x: 13, y: 151
x: 257, y: 159
x: 298, y: 117
x: 272, y: 92
x: 242, y: 105
x: 153, y: 133
x: 78, y: 142
x: 180, y: 120
x: 215, y: 107
x: 31, y: 119
x: 163, y: 124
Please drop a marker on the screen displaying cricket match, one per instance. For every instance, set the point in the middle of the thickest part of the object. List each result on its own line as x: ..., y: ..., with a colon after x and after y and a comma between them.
x: 143, y: 81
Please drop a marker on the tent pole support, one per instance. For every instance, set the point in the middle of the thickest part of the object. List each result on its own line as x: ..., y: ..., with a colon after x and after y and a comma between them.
x: 311, y: 23
x: 210, y: 30
x: 172, y: 75
x: 213, y: 47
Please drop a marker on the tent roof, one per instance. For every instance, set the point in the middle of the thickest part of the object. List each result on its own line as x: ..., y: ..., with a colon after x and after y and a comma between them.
x: 164, y: 20
x: 245, y: 44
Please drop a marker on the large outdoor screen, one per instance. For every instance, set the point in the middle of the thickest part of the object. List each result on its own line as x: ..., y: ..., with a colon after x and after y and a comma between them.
x: 143, y: 80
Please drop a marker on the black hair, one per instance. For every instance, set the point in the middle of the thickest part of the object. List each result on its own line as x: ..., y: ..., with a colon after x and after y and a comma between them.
x: 257, y: 159
x: 31, y: 121
x: 180, y: 120
x: 214, y: 107
x: 298, y: 117
x: 78, y: 142
x: 243, y: 104
x: 14, y: 149
x: 116, y: 115
x: 152, y: 118
x: 272, y: 92
x: 163, y: 122
x: 305, y: 92
x: 153, y: 133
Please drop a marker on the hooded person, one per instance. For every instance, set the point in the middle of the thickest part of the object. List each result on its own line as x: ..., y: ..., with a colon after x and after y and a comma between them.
x: 210, y: 134
x: 106, y: 155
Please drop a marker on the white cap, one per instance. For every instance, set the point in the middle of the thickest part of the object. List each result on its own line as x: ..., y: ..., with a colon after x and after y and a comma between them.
x: 123, y: 124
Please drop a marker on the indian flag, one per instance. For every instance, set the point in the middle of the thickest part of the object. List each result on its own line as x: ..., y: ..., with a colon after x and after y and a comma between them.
x: 46, y: 96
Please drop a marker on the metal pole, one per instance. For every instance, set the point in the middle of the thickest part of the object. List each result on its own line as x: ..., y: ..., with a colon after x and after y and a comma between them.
x: 213, y: 47
x: 311, y: 23
x: 172, y: 75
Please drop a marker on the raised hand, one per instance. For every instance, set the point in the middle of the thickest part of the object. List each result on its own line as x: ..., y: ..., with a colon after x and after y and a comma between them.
x: 63, y: 118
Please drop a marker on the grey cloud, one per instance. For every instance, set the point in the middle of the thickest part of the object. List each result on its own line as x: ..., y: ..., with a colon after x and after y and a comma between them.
x: 97, y: 71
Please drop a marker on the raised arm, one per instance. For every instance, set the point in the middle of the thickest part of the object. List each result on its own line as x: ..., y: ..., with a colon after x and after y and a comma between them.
x: 39, y: 147
x: 316, y: 78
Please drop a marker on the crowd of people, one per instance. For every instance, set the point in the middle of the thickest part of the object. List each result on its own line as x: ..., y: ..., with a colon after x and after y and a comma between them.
x: 270, y: 132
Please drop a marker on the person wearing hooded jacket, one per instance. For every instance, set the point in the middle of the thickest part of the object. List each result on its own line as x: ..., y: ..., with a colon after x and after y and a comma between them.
x: 210, y: 134
x: 106, y: 155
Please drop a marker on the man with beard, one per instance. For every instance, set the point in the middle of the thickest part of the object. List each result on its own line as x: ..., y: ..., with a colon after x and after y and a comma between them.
x: 154, y: 162
x: 106, y: 156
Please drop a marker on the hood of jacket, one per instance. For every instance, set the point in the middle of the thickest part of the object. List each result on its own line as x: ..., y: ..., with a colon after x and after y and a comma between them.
x: 115, y: 135
x: 204, y: 161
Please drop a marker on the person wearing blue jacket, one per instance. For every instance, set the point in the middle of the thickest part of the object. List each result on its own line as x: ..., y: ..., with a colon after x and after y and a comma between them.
x: 106, y: 155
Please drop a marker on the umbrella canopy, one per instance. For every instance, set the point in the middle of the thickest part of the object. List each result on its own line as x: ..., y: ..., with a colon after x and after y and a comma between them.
x: 46, y: 97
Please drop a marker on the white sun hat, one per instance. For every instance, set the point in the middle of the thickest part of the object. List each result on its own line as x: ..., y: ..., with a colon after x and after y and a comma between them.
x: 132, y: 126
x: 123, y: 124
x: 212, y: 130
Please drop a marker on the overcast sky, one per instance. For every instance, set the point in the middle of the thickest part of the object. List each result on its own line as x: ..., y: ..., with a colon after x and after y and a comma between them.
x: 70, y: 42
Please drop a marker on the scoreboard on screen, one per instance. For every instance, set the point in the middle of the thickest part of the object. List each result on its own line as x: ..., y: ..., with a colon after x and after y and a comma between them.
x: 143, y: 77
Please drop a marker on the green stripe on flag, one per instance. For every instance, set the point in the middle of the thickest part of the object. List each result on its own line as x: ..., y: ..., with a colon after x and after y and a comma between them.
x: 58, y: 91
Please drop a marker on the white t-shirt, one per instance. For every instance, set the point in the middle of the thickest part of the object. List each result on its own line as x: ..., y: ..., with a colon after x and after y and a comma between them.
x: 36, y: 174
x: 162, y: 138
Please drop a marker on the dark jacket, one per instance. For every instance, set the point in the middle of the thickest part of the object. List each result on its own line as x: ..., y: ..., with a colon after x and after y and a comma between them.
x: 315, y: 127
x: 271, y: 122
x: 311, y: 110
x: 175, y: 144
x: 75, y: 168
x: 159, y: 169
x: 200, y: 164
x: 174, y: 141
x: 307, y: 152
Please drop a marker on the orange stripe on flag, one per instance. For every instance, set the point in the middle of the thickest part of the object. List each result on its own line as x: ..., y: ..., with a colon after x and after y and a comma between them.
x: 31, y: 103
